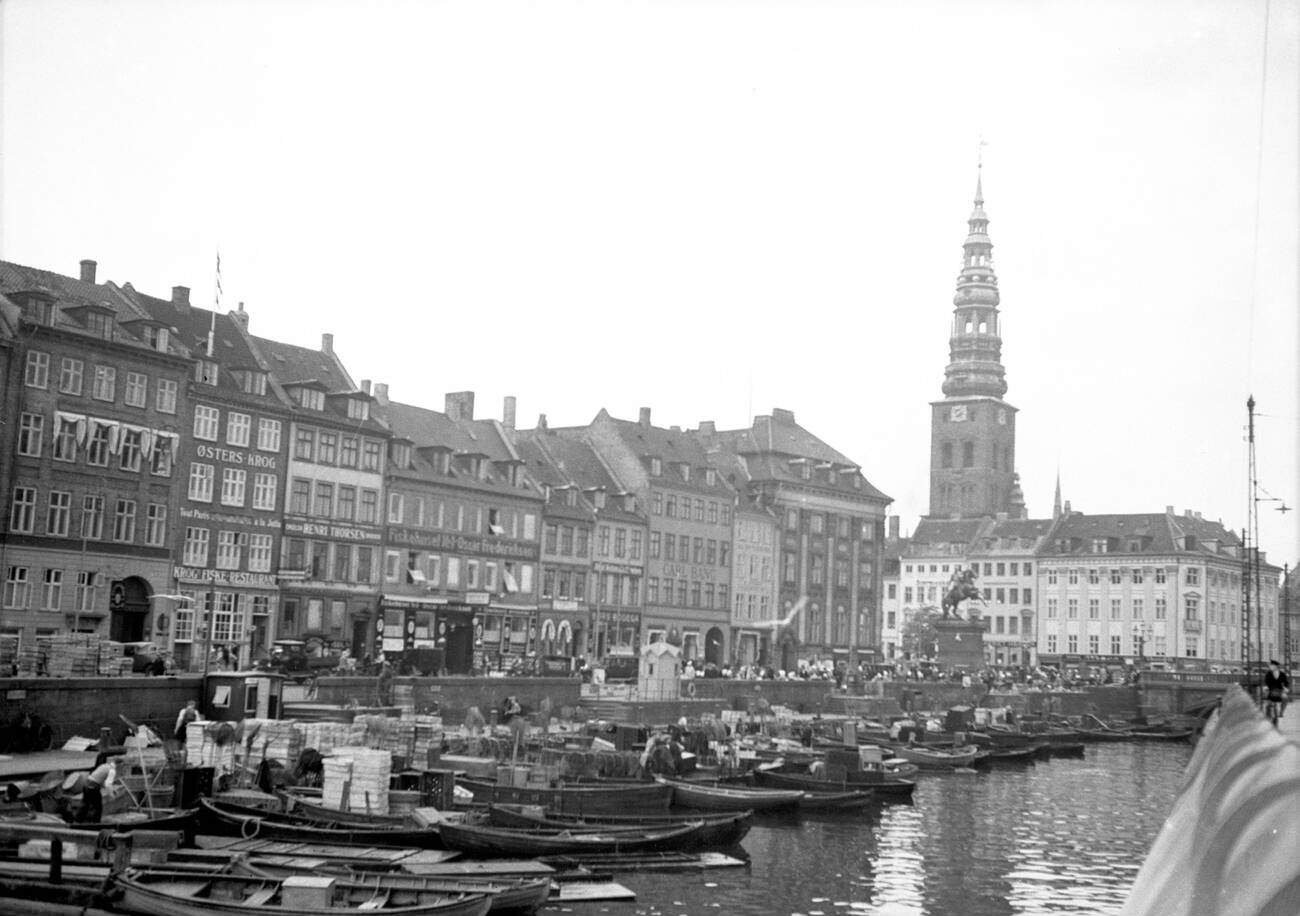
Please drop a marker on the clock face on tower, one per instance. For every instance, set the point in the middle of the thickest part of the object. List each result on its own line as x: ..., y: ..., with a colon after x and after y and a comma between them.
x: 958, y: 413
x: 1002, y: 416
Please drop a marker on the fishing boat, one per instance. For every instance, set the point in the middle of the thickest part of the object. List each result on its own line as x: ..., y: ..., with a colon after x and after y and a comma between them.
x: 1162, y: 734
x: 312, y: 811
x: 714, y: 797
x: 483, y: 840
x: 937, y: 758
x: 717, y: 830
x: 989, y: 756
x: 162, y: 892
x: 229, y: 819
x: 584, y: 798
x: 883, y: 787
x: 510, y: 895
x: 836, y: 801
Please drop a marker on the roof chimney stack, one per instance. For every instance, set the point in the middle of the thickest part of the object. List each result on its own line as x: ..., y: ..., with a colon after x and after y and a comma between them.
x: 365, y: 385
x: 327, y: 343
x: 381, y: 393
x: 893, y: 527
x: 708, y: 427
x: 541, y: 422
x: 645, y: 416
x: 460, y: 405
x: 181, y: 296
x: 88, y: 271
x: 240, y: 317
x: 508, y: 412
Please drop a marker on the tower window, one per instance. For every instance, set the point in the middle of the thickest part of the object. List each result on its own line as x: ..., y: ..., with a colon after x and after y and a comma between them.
x: 945, y: 459
x: 968, y: 454
x: 970, y: 324
x: 984, y: 325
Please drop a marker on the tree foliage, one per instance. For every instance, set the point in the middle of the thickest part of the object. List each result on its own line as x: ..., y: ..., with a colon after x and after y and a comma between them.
x: 919, y: 634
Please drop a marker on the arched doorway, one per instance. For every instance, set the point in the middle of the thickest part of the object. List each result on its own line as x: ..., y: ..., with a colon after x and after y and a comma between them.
x: 713, y: 646
x: 129, y: 607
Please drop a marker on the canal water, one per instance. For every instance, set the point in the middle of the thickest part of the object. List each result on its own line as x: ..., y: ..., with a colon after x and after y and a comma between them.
x: 1060, y: 836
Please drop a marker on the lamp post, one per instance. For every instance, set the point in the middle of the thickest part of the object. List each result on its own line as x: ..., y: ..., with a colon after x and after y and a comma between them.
x: 1141, y: 632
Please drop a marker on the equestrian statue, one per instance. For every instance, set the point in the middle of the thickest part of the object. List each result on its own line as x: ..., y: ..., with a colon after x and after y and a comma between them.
x: 960, y: 587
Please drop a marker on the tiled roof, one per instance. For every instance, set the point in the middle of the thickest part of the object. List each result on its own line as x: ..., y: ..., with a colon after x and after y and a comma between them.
x: 426, y: 427
x: 290, y: 363
x: 571, y: 458
x: 1149, y: 533
x: 673, y: 447
x: 933, y: 531
x: 769, y: 450
x: 71, y: 293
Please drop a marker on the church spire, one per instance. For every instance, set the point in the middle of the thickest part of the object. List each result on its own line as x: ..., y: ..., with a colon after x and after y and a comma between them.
x: 975, y: 345
x: 1056, y: 503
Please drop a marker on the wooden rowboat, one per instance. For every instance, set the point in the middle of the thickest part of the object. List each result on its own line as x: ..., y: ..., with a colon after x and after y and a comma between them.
x: 933, y: 758
x: 482, y: 840
x: 717, y: 831
x: 228, y: 819
x: 885, y: 788
x: 586, y: 798
x: 714, y: 797
x: 827, y: 802
x: 159, y: 892
x: 509, y: 895
x: 307, y: 810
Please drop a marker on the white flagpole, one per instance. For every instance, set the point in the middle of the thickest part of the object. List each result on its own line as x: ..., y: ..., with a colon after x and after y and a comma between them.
x: 216, y: 296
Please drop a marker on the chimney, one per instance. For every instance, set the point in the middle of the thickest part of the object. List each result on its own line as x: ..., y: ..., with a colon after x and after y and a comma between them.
x: 181, y: 296
x: 460, y: 405
x: 1169, y: 510
x: 781, y: 415
x: 645, y: 416
x: 541, y: 422
x: 88, y: 271
x: 1067, y: 507
x: 381, y: 393
x: 763, y: 431
x: 893, y: 527
x: 508, y: 412
x: 365, y: 385
x: 708, y: 427
x: 327, y: 343
x: 240, y: 316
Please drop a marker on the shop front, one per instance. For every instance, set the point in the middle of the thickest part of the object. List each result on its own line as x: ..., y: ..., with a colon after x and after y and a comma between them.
x: 558, y: 620
x: 426, y: 635
x: 224, y: 615
x: 506, y: 635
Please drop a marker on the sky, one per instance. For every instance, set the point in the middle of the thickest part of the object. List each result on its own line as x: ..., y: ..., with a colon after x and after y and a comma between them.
x: 713, y: 209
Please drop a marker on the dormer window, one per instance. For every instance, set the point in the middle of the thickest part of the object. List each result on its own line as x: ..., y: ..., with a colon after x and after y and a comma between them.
x: 401, y: 454
x: 711, y: 476
x: 254, y: 383
x: 656, y: 467
x: 571, y: 497
x: 358, y: 409
x: 100, y: 324
x: 805, y: 470
x: 629, y: 504
x: 686, y: 470
x: 310, y: 398
x: 157, y: 338
x: 831, y: 477
x: 41, y: 310
x: 599, y: 499
x: 205, y: 372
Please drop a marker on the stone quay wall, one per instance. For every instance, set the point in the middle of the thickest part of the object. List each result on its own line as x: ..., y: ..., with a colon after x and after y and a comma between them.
x: 81, y: 706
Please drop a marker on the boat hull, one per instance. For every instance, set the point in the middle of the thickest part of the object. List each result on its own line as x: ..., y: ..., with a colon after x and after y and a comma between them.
x: 708, y: 797
x: 588, y: 798
x: 479, y: 840
x: 885, y: 788
x: 225, y: 819
x: 717, y: 832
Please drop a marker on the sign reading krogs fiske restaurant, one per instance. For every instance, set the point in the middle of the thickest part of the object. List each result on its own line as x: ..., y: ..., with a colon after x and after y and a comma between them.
x: 464, y: 543
x: 228, y: 577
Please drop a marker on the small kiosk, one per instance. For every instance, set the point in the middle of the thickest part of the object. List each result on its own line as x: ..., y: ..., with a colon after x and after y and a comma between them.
x: 229, y: 696
x: 659, y: 677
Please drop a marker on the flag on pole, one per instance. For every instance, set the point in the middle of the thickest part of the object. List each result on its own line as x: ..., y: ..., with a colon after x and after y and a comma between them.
x: 216, y: 296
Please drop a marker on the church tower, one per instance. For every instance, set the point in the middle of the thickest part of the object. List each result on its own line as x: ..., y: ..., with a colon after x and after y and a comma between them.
x: 973, y: 430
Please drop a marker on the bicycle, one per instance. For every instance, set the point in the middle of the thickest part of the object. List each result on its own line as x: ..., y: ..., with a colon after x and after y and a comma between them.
x: 1274, y: 708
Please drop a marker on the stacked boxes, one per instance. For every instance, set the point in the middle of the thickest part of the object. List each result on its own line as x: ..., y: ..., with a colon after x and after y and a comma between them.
x: 356, y: 779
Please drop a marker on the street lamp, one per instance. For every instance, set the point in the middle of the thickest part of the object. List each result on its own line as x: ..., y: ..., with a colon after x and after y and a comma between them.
x: 1141, y: 633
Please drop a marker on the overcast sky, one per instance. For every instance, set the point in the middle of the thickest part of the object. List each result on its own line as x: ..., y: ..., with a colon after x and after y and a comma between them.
x: 712, y: 209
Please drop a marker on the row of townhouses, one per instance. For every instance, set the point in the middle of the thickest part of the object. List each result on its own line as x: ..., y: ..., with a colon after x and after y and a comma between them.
x: 171, y: 477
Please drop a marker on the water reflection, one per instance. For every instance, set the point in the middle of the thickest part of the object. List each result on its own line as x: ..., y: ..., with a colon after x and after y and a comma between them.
x: 1061, y: 837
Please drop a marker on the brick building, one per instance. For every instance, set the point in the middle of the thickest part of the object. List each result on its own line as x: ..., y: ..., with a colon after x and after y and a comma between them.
x: 94, y: 402
x: 462, y: 538
x: 230, y: 483
x: 831, y: 522
x: 332, y: 534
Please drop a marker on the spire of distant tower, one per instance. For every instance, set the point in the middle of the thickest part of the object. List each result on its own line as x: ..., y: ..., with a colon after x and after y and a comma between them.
x: 975, y: 345
x: 1056, y: 502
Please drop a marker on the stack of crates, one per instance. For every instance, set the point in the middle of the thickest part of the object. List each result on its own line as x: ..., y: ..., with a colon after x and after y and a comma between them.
x: 356, y: 779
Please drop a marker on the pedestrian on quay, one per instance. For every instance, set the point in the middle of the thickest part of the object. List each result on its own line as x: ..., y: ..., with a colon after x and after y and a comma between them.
x: 1277, y: 683
x: 92, y: 790
x: 189, y: 713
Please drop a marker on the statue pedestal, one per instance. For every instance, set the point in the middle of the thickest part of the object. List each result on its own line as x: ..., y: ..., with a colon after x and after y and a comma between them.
x: 960, y: 643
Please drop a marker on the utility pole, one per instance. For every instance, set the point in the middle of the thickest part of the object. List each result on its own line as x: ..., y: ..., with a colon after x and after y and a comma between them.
x: 1248, y: 550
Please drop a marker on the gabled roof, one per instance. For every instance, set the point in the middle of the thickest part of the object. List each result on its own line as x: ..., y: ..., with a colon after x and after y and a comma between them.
x: 673, y: 447
x: 931, y: 532
x: 572, y: 459
x: 291, y: 364
x: 776, y: 447
x: 1146, y: 533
